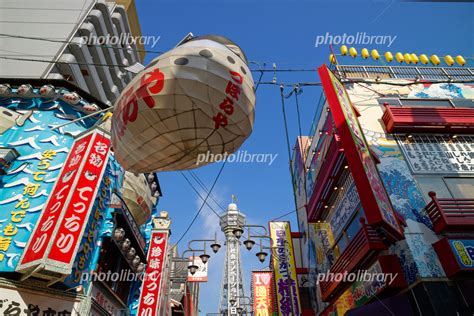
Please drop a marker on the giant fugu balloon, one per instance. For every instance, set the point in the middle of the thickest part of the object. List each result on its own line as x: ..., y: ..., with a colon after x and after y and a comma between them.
x: 190, y: 103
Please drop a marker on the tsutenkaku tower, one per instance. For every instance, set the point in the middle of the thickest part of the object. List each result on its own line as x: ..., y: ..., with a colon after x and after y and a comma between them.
x: 232, y: 286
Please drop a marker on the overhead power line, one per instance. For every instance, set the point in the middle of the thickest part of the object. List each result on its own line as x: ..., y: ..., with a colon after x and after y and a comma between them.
x: 199, y: 194
x: 202, y: 205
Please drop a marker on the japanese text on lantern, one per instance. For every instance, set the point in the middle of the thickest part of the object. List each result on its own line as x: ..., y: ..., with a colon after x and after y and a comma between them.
x: 232, y: 91
x: 77, y: 213
x: 262, y: 293
x: 62, y: 190
x: 30, y: 190
x: 150, y: 293
x: 151, y: 83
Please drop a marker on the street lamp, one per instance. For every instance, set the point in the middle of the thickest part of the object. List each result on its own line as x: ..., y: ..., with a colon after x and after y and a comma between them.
x: 215, y: 247
x: 192, y: 268
x: 249, y: 243
x: 261, y: 255
x: 238, y: 232
x: 204, y: 257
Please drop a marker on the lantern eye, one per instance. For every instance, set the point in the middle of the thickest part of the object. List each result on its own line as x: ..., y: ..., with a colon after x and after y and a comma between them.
x: 231, y: 60
x: 206, y: 53
x: 181, y: 61
x: 243, y: 70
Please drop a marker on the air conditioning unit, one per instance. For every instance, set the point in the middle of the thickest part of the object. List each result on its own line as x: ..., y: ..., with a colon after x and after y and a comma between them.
x: 7, y: 156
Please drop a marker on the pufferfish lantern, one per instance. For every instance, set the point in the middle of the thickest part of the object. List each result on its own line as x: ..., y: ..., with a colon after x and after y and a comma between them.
x: 195, y: 99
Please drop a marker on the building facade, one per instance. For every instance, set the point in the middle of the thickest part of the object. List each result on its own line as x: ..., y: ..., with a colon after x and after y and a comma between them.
x: 80, y: 51
x: 72, y: 237
x: 385, y: 186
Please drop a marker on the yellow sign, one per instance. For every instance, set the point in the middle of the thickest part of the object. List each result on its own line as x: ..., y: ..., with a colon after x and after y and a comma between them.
x: 286, y: 280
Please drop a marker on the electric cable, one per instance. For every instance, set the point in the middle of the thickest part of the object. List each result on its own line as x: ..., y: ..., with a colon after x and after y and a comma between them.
x: 288, y: 143
x: 198, y: 193
x: 204, y: 203
x: 204, y: 187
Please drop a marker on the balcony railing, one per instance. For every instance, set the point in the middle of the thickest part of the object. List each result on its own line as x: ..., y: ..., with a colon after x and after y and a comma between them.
x: 329, y: 172
x: 450, y: 215
x: 428, y: 119
x: 406, y: 72
x: 363, y: 247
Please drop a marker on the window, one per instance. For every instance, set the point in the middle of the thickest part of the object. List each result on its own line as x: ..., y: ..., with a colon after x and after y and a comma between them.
x: 446, y: 187
x: 429, y: 103
x: 463, y: 103
x: 348, y: 233
x: 418, y: 102
x: 460, y: 188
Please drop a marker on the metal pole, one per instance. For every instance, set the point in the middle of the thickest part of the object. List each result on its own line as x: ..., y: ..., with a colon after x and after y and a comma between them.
x: 82, y: 118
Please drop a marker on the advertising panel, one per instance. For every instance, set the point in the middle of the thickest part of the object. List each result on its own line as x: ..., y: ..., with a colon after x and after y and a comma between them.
x: 22, y: 300
x: 151, y: 286
x: 438, y: 154
x: 87, y: 256
x: 201, y: 272
x: 57, y: 235
x: 40, y: 239
x: 463, y: 250
x: 76, y: 216
x: 374, y: 198
x: 286, y: 281
x: 262, y: 282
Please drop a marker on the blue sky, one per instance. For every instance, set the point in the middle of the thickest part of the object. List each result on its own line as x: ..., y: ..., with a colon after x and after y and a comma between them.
x: 283, y: 32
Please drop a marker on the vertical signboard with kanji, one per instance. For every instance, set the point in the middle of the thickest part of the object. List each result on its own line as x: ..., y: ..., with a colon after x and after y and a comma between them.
x: 374, y: 199
x: 56, y: 237
x: 151, y: 286
x: 284, y: 266
x: 262, y: 282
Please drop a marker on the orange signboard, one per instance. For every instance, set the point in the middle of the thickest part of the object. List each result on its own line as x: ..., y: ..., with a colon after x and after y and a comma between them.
x: 262, y: 293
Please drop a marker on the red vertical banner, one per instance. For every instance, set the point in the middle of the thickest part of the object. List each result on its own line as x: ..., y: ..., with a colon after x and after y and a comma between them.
x: 262, y: 293
x: 151, y: 286
x: 39, y: 240
x: 71, y: 227
x: 374, y: 199
x: 57, y: 234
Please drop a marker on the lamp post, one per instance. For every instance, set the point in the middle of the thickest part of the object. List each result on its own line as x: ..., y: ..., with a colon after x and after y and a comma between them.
x: 192, y: 268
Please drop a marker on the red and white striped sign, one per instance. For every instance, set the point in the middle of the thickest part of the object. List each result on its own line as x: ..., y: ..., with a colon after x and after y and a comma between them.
x: 70, y: 190
x: 73, y: 223
x: 151, y: 286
